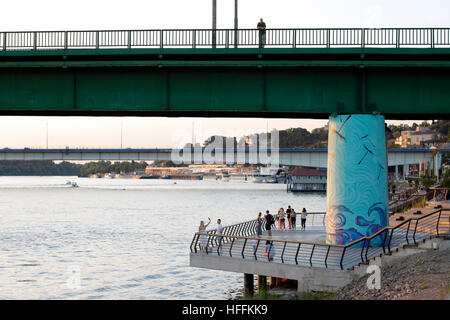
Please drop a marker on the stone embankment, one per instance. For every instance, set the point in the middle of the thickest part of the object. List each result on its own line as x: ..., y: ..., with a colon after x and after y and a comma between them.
x: 422, y: 276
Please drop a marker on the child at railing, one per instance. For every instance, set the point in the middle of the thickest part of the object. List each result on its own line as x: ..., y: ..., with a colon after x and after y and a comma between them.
x: 270, y: 250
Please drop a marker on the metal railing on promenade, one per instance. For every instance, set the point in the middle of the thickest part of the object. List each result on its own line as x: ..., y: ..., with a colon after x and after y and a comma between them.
x: 248, y: 228
x: 398, y: 205
x: 241, y: 242
x: 226, y: 38
x: 434, y: 194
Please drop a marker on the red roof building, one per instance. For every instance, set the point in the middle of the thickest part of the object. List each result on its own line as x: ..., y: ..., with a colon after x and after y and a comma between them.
x: 299, y: 172
x: 306, y: 180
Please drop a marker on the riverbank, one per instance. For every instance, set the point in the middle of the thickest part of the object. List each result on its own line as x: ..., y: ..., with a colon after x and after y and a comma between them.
x: 422, y: 276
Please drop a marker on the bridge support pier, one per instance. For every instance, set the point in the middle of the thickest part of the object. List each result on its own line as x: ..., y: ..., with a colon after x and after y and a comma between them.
x: 249, y: 283
x: 357, y: 188
x: 262, y: 283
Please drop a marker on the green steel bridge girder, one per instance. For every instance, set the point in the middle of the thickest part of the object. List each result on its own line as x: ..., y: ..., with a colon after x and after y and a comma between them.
x: 283, y: 82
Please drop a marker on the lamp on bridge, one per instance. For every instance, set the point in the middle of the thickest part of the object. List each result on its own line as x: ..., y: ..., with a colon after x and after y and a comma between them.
x: 214, y: 22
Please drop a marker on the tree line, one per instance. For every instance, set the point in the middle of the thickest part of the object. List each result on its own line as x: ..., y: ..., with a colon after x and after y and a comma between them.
x: 64, y: 168
x: 38, y: 168
x: 109, y: 167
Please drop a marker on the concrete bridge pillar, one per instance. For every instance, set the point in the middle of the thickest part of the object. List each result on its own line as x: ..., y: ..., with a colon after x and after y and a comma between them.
x: 262, y: 283
x: 405, y: 171
x: 396, y: 173
x: 249, y: 284
x: 357, y: 188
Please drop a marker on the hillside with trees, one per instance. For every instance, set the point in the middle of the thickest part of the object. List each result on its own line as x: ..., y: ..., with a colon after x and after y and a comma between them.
x: 301, y: 138
x: 291, y: 138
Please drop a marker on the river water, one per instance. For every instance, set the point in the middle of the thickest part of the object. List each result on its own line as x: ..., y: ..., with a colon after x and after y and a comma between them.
x: 121, y: 238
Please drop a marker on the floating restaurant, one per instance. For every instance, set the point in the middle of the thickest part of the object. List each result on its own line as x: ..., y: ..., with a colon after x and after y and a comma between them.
x: 307, y: 180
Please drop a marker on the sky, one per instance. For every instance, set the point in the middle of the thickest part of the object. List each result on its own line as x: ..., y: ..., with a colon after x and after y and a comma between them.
x: 21, y: 15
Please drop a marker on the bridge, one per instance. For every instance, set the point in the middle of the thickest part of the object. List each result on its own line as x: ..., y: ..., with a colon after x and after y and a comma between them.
x: 398, y: 72
x: 289, y: 157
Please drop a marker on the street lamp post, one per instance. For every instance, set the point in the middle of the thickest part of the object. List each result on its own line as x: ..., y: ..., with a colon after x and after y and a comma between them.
x: 214, y: 22
x: 236, y: 39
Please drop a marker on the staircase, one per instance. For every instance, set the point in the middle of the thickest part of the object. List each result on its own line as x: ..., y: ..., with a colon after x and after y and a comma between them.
x: 428, y: 236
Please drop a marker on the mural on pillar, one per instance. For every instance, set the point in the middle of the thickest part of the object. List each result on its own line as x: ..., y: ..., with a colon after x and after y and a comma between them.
x: 357, y: 195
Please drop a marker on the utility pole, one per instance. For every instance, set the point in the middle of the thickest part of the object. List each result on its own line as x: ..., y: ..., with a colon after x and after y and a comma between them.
x: 236, y: 35
x: 214, y: 22
x: 47, y: 136
x: 121, y: 132
x: 193, y: 135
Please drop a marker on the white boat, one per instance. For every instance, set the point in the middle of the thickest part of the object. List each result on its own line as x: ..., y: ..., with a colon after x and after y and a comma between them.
x: 269, y: 175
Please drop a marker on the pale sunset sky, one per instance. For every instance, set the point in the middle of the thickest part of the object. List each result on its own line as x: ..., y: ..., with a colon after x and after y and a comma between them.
x: 21, y: 15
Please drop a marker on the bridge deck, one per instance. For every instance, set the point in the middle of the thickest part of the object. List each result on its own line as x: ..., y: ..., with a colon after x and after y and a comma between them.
x: 401, y: 73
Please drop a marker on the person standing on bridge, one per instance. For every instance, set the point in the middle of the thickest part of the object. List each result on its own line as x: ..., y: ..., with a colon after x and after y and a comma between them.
x: 262, y: 32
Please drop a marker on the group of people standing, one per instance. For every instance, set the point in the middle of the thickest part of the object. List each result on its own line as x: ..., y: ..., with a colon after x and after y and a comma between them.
x: 270, y: 221
x: 281, y: 217
x: 204, y: 239
x: 290, y: 215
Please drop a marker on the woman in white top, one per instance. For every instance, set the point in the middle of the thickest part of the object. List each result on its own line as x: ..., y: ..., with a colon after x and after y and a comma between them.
x: 203, y: 238
x: 303, y: 216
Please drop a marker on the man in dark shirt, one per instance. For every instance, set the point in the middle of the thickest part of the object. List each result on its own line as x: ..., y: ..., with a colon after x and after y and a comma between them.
x: 262, y: 33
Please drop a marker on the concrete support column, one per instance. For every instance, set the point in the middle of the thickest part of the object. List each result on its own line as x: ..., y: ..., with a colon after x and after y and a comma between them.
x: 396, y: 173
x: 357, y: 189
x: 273, y: 282
x: 249, y: 284
x: 262, y: 283
x: 420, y: 168
x: 405, y: 171
x: 437, y: 160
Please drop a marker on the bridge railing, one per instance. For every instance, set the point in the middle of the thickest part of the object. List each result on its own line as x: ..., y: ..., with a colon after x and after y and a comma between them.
x: 316, y: 254
x: 226, y: 38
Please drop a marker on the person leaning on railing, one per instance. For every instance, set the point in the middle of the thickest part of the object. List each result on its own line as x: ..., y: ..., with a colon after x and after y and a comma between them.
x: 262, y: 32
